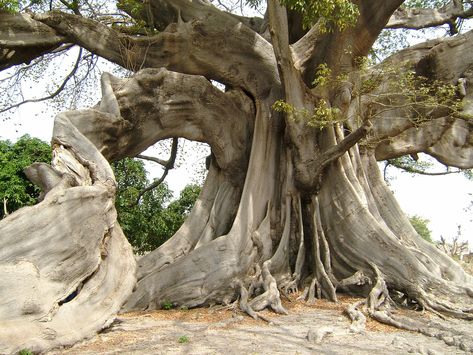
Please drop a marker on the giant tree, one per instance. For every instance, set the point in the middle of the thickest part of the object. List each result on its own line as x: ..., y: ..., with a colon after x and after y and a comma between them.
x: 293, y: 198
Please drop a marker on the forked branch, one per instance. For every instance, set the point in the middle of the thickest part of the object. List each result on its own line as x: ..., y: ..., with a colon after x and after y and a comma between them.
x: 168, y: 165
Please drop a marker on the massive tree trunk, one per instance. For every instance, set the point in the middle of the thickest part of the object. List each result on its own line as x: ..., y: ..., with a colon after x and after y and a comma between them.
x: 66, y: 265
x: 287, y: 203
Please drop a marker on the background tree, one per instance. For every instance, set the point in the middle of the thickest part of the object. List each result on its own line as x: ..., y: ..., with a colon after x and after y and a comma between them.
x: 421, y: 226
x: 155, y: 218
x: 294, y: 197
x: 15, y: 189
x: 147, y: 224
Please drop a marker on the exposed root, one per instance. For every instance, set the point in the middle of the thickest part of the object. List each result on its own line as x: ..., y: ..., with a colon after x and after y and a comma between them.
x: 300, y: 260
x: 378, y: 306
x: 309, y: 292
x: 256, y: 284
x: 244, y: 306
x: 291, y: 286
x: 324, y: 280
x: 447, y: 332
x: 357, y: 317
x: 443, y: 308
x: 379, y: 298
x: 269, y: 298
x: 357, y: 279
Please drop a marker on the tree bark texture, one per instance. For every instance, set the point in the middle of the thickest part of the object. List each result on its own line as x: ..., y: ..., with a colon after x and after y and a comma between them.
x: 67, y: 266
x: 286, y: 205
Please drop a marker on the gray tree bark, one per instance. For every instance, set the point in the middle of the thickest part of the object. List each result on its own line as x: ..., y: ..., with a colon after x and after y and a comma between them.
x: 285, y: 205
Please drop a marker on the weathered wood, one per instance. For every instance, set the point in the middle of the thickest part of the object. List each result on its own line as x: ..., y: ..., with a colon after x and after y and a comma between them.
x: 285, y: 202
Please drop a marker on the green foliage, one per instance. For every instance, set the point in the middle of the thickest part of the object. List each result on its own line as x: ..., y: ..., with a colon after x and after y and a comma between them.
x: 25, y: 352
x: 423, y: 95
x: 429, y: 93
x: 9, y: 6
x: 417, y: 166
x: 183, y: 339
x: 132, y: 7
x: 153, y: 220
x: 410, y: 165
x: 324, y: 115
x: 415, y: 96
x: 321, y: 116
x: 330, y: 14
x: 283, y: 106
x: 15, y: 187
x: 147, y: 224
x: 322, y: 75
x: 425, y: 3
x: 19, y: 5
x: 140, y: 22
x: 421, y: 226
x: 180, y: 208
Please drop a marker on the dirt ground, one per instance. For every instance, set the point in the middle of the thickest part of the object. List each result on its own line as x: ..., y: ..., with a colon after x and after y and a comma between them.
x: 322, y: 328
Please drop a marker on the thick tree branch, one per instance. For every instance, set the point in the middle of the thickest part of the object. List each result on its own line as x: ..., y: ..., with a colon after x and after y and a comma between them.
x: 22, y: 39
x: 413, y: 170
x: 336, y: 151
x: 424, y: 18
x: 158, y: 104
x: 161, y: 13
x: 405, y: 127
x: 294, y: 88
x: 331, y: 48
x: 198, y: 31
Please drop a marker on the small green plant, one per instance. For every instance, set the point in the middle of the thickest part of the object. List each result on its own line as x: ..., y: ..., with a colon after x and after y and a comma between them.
x: 25, y: 352
x: 167, y: 305
x: 322, y: 75
x: 183, y: 339
x: 322, y: 116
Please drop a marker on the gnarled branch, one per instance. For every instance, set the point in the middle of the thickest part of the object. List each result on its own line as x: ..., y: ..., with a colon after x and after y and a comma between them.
x: 425, y: 18
x: 441, y: 132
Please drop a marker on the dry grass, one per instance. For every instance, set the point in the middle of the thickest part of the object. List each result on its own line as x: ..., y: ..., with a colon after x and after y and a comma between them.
x: 218, y: 314
x: 216, y: 317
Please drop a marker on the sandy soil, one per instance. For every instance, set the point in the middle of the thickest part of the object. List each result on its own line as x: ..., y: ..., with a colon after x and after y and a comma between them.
x: 319, y: 329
